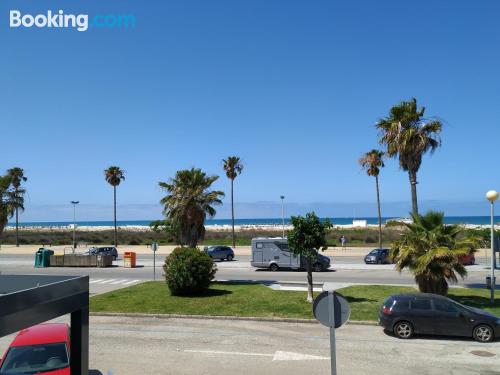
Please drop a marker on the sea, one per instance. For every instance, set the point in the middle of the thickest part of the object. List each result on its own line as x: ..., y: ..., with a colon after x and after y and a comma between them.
x: 474, y: 220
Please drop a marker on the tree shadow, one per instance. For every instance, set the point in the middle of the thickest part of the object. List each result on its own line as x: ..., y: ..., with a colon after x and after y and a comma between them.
x: 95, y: 372
x: 209, y: 293
x: 359, y: 299
x: 479, y: 302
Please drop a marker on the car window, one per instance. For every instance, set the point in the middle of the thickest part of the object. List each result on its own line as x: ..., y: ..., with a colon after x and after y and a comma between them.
x: 282, y: 246
x: 421, y: 304
x: 35, y: 358
x: 259, y: 245
x: 401, y: 305
x: 444, y: 306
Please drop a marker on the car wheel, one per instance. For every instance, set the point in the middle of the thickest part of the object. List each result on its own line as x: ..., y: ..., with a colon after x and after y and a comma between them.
x: 115, y: 257
x: 403, y: 330
x: 379, y: 261
x: 229, y: 257
x: 483, y: 333
x: 317, y: 267
x: 274, y: 267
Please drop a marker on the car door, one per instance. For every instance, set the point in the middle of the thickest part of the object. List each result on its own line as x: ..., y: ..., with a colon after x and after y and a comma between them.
x: 448, y: 319
x: 422, y: 315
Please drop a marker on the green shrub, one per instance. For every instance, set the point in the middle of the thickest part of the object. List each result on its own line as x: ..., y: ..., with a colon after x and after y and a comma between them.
x: 188, y: 271
x: 134, y: 241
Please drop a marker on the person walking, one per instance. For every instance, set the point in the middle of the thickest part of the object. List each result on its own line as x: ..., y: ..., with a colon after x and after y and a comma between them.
x: 343, y: 241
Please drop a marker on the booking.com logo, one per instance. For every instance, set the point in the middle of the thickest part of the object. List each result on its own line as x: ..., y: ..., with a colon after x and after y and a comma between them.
x: 80, y: 22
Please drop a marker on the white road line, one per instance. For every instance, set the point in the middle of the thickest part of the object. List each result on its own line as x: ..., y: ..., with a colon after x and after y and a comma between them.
x: 95, y: 281
x: 106, y: 281
x: 131, y: 282
x: 277, y: 356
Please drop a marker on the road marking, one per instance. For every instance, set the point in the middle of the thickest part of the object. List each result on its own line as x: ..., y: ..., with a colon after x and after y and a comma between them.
x: 95, y: 281
x: 131, y: 282
x: 106, y: 281
x: 118, y: 282
x: 277, y: 356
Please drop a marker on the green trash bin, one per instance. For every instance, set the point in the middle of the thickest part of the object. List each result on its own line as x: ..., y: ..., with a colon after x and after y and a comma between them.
x: 42, y: 258
x: 39, y: 258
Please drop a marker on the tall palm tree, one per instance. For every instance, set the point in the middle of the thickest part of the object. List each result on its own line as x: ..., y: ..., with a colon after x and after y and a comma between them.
x: 6, y: 207
x: 371, y: 162
x: 114, y: 176
x: 408, y: 136
x: 233, y: 167
x: 431, y: 250
x: 189, y: 201
x: 17, y: 177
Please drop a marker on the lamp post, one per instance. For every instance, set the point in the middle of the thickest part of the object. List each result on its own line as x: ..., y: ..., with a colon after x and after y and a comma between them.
x: 492, y: 196
x: 74, y: 203
x: 283, y: 213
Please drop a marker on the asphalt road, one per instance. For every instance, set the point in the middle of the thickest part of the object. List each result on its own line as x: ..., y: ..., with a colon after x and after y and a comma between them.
x: 344, y: 269
x: 121, y: 345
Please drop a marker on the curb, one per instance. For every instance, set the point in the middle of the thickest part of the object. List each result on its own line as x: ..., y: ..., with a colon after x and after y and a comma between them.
x: 223, y: 317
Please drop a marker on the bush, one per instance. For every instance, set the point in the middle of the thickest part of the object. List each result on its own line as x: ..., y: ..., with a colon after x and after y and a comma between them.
x: 188, y: 271
x: 134, y: 241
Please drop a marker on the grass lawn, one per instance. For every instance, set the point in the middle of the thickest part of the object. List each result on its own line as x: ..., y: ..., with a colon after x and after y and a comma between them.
x: 240, y: 299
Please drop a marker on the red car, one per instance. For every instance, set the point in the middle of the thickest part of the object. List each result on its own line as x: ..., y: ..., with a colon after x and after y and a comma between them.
x: 468, y: 260
x: 43, y: 348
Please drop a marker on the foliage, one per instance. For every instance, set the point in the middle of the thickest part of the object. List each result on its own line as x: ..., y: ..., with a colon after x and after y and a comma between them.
x: 167, y: 227
x: 188, y: 271
x: 114, y: 175
x: 372, y: 161
x: 431, y: 250
x: 407, y: 136
x: 7, y: 201
x: 189, y: 201
x: 307, y: 237
x: 232, y: 166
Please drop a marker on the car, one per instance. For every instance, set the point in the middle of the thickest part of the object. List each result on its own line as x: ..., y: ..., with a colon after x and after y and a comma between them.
x: 107, y: 250
x: 468, y: 260
x: 44, y: 348
x: 377, y: 256
x: 219, y: 252
x: 412, y: 313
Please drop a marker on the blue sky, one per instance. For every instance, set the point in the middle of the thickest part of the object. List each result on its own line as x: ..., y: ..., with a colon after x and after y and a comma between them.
x: 293, y: 87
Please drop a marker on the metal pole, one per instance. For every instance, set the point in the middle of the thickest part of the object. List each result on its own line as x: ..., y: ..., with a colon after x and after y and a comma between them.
x: 333, y: 357
x: 492, y: 298
x: 74, y: 228
x: 283, y: 213
x: 154, y: 265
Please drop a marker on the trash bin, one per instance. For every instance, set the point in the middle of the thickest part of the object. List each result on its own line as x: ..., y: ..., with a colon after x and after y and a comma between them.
x: 42, y: 258
x: 104, y: 260
x: 488, y: 281
x: 129, y: 259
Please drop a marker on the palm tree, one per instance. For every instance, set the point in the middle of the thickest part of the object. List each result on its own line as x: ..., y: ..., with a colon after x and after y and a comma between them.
x: 371, y: 162
x: 233, y: 167
x: 17, y: 177
x: 189, y: 201
x: 431, y: 250
x: 6, y: 205
x: 408, y: 136
x: 114, y: 176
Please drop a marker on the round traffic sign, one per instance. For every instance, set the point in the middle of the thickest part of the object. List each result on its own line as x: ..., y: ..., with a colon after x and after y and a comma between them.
x: 339, y: 315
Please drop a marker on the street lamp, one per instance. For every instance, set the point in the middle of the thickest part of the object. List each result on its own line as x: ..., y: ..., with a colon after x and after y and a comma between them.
x: 74, y: 203
x: 283, y: 213
x: 492, y: 196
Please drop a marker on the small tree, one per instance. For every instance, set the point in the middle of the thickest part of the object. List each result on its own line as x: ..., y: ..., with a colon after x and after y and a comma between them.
x: 307, y: 237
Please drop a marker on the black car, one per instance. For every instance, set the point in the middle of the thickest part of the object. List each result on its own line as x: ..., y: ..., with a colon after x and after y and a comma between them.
x: 109, y: 250
x: 377, y: 256
x: 220, y: 252
x: 407, y: 314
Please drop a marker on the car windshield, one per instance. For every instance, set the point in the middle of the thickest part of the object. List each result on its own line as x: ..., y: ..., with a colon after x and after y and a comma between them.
x: 374, y: 252
x: 33, y: 359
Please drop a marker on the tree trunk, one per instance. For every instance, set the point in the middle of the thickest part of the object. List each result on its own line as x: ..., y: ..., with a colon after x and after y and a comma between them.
x: 426, y: 284
x: 379, y: 215
x: 309, y: 280
x: 232, y: 210
x: 116, y: 232
x: 17, y: 226
x: 413, y: 185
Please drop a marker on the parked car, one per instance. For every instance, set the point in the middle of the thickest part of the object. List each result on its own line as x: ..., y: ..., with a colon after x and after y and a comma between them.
x: 273, y: 253
x: 378, y: 256
x: 108, y: 250
x: 43, y: 348
x: 219, y: 252
x: 468, y: 260
x: 407, y: 314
